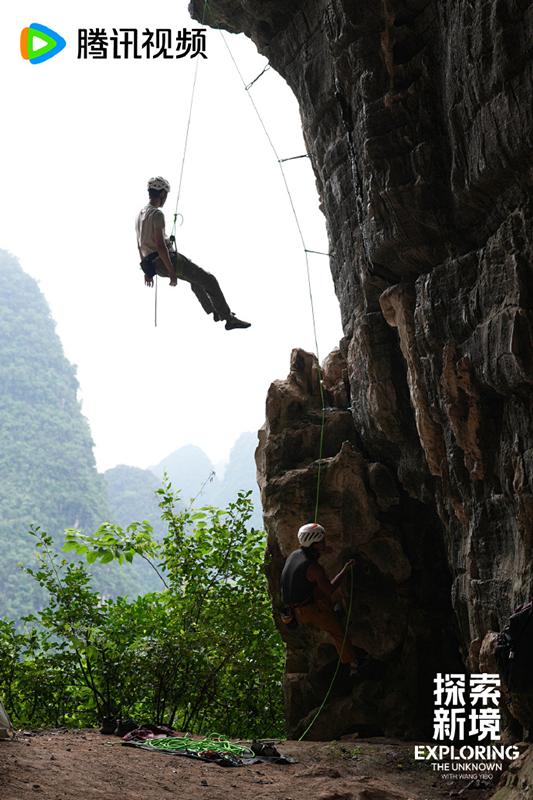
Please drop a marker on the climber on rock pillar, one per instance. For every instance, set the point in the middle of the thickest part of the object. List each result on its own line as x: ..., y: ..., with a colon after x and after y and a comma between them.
x: 306, y: 590
x: 157, y: 259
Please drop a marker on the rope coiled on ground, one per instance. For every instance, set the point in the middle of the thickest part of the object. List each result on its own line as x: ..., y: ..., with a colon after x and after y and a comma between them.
x: 214, y: 743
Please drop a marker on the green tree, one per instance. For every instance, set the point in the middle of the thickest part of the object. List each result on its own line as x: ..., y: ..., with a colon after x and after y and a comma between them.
x: 201, y: 654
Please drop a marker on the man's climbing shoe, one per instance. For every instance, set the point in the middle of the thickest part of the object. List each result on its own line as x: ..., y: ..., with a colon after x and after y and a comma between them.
x: 235, y: 322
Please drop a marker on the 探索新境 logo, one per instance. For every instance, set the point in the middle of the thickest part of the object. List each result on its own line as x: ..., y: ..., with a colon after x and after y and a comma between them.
x: 39, y: 43
x: 466, y: 728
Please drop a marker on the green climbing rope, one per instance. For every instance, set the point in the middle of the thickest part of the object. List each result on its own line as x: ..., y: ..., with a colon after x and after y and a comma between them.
x: 214, y: 743
x: 325, y: 700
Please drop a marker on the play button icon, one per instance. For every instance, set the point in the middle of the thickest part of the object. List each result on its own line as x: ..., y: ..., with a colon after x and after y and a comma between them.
x: 39, y: 43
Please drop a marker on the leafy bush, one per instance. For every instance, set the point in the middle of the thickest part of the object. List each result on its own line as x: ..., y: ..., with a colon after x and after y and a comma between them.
x: 201, y: 654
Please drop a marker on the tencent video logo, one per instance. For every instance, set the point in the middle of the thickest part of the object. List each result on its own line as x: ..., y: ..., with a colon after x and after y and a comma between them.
x: 39, y: 43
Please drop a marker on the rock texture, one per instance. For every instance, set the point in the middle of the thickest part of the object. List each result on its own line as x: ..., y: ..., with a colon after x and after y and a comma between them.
x: 401, y: 613
x: 417, y: 116
x: 517, y: 783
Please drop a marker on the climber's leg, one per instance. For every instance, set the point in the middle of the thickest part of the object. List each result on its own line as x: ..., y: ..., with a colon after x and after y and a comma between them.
x: 324, y: 618
x: 205, y: 286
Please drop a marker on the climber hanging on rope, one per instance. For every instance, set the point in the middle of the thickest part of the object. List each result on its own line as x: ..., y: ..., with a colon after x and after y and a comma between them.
x: 157, y: 259
x: 306, y: 590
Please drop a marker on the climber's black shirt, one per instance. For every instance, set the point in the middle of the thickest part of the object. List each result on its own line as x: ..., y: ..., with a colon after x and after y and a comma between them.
x: 296, y: 589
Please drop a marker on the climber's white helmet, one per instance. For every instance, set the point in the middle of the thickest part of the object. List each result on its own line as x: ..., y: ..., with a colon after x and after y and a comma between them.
x: 311, y: 533
x: 159, y: 183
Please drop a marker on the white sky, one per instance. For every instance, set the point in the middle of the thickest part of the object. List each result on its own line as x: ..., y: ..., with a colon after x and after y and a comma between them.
x: 79, y: 140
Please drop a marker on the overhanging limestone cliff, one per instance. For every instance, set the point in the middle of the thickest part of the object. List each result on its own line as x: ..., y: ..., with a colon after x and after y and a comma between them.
x: 417, y: 117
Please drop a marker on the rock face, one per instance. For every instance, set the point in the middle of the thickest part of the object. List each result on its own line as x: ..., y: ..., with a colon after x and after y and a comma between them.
x: 401, y: 613
x: 417, y: 116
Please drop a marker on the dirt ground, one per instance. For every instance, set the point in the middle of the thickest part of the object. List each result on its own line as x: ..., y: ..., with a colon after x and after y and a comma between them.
x: 70, y: 765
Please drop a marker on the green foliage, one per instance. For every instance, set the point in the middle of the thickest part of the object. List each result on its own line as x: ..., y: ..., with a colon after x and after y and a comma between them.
x: 47, y: 470
x: 200, y: 654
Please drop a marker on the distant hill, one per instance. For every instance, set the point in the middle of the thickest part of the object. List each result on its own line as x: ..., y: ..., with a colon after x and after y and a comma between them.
x: 188, y: 469
x: 240, y: 475
x: 131, y: 495
x: 48, y: 475
x: 131, y: 490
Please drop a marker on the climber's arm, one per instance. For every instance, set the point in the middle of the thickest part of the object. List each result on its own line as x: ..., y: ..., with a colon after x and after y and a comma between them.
x: 316, y: 574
